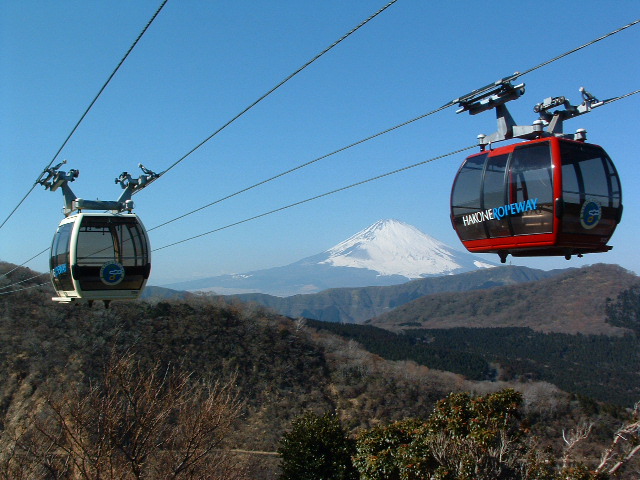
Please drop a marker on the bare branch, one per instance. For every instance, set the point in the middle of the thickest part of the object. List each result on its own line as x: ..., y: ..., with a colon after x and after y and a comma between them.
x: 573, y: 438
x: 624, y: 446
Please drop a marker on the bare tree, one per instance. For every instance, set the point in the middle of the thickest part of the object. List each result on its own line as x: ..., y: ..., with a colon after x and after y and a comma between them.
x: 624, y: 446
x: 573, y: 438
x: 135, y: 423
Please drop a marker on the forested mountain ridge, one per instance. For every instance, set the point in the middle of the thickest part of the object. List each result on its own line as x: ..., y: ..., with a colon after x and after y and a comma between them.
x: 356, y: 305
x: 605, y: 368
x: 575, y: 301
x: 282, y: 367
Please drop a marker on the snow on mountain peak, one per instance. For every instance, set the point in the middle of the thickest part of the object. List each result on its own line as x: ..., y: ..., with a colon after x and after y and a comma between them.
x: 392, y: 247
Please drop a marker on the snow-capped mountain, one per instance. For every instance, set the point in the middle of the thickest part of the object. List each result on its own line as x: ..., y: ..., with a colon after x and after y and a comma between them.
x: 388, y: 252
x: 392, y: 247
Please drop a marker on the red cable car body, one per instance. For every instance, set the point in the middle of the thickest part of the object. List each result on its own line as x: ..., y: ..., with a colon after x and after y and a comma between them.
x: 551, y: 195
x: 544, y: 197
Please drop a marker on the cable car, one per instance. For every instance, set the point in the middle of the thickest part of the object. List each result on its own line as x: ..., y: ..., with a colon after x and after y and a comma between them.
x: 543, y: 197
x: 98, y: 255
x: 552, y: 195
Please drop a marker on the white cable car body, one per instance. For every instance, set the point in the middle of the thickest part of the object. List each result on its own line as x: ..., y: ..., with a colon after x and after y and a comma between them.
x: 98, y: 255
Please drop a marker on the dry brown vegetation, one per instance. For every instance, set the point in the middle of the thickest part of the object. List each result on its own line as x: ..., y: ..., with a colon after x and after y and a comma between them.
x: 134, y: 422
x: 53, y: 380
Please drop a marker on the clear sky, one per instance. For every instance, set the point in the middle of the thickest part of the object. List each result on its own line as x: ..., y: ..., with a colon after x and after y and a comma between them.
x: 202, y: 62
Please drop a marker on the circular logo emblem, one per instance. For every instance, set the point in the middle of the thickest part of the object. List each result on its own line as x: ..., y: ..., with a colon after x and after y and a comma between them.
x: 590, y: 214
x: 112, y: 273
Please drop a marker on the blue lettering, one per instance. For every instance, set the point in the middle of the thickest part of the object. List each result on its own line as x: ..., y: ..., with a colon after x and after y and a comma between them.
x: 60, y: 270
x: 500, y: 212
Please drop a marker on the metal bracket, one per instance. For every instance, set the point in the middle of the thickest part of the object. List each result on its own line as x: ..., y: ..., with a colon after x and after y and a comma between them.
x: 556, y: 119
x: 132, y: 185
x: 485, y: 99
x: 53, y: 178
x: 503, y: 93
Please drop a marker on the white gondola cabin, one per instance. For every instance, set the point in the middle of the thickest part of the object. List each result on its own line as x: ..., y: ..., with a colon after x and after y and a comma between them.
x: 98, y: 256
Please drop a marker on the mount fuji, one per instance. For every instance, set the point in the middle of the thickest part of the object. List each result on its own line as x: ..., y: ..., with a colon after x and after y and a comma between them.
x: 389, y: 252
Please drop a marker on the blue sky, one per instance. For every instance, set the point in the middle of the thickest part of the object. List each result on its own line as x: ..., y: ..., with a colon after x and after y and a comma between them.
x: 202, y: 62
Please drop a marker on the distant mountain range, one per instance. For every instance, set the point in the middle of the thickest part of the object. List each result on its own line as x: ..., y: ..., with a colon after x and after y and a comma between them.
x: 573, y: 301
x: 357, y: 305
x: 388, y: 252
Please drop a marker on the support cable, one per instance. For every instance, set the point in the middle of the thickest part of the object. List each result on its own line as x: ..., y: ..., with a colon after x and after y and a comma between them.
x: 326, y: 194
x: 363, y: 23
x: 304, y: 201
x: 24, y: 263
x: 73, y: 130
x: 282, y: 174
x: 22, y: 281
x: 445, y: 106
x: 516, y: 75
x: 588, y: 44
x: 25, y: 288
x: 615, y: 99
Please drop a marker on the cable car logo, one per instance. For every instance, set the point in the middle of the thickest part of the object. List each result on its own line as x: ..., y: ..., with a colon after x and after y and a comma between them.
x: 500, y: 212
x: 590, y: 214
x: 60, y: 270
x: 112, y: 273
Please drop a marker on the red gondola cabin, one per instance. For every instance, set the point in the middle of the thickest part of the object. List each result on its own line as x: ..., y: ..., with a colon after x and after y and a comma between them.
x: 543, y: 197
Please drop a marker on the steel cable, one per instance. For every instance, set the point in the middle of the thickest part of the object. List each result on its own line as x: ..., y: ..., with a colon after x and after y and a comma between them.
x: 326, y: 194
x: 73, y: 130
x: 245, y: 110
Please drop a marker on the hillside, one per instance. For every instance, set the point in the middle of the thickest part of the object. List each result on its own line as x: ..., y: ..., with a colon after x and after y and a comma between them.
x: 281, y: 367
x: 602, y: 367
x: 572, y: 302
x: 356, y: 305
x: 160, y: 293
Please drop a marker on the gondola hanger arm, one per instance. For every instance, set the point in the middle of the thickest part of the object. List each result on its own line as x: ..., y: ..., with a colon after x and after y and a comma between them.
x: 133, y: 185
x: 53, y: 178
x: 496, y: 96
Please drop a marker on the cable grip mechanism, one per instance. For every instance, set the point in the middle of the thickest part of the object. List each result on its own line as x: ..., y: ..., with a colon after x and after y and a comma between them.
x: 53, y: 178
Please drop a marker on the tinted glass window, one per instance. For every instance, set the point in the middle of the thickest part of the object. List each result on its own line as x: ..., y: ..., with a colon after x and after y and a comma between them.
x: 466, y: 191
x: 494, y: 191
x: 616, y: 190
x: 111, y: 239
x: 494, y: 194
x: 595, y: 178
x: 465, y: 199
x: 61, y: 240
x: 59, y: 262
x: 590, y: 189
x: 103, y: 239
x: 531, y: 190
x: 570, y: 182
